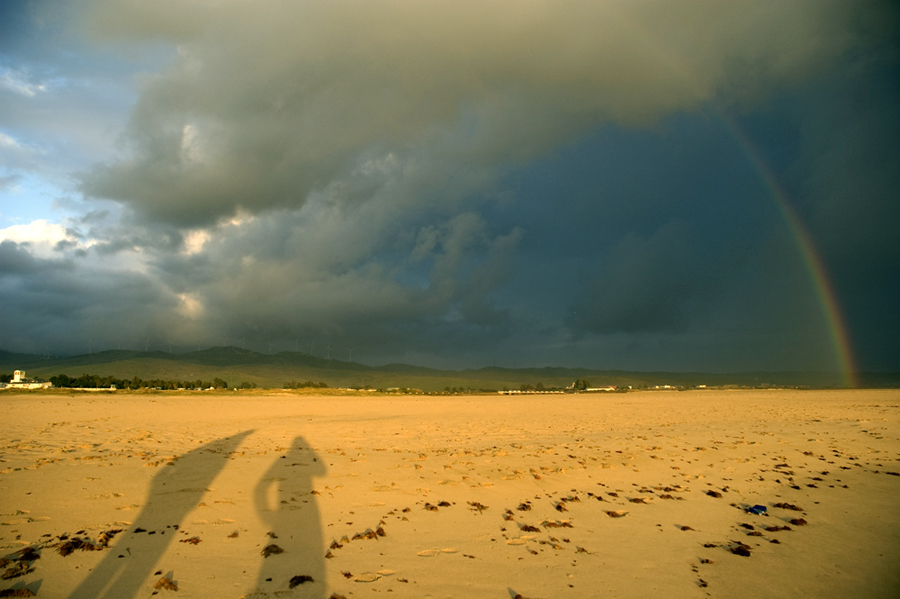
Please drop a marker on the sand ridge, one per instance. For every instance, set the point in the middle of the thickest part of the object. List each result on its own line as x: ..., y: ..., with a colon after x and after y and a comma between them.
x: 574, y: 496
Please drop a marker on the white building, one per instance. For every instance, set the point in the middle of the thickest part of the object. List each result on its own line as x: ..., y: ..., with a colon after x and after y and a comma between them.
x: 20, y: 381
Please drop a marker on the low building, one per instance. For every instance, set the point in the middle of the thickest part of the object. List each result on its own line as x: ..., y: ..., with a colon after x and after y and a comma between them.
x: 20, y: 381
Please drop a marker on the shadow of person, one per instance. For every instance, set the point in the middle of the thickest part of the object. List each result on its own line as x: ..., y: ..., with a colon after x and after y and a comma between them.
x: 286, y: 504
x: 174, y: 492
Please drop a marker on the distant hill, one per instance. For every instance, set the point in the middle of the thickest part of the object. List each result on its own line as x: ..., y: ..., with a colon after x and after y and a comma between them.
x: 236, y: 366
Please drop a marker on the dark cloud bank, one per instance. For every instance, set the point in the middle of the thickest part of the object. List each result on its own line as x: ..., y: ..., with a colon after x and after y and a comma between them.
x: 458, y: 184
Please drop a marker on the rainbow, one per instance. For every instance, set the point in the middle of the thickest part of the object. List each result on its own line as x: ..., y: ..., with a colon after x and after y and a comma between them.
x: 827, y: 298
x: 700, y: 91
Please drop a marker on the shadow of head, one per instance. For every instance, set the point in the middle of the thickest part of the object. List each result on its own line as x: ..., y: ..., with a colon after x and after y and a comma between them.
x: 304, y: 458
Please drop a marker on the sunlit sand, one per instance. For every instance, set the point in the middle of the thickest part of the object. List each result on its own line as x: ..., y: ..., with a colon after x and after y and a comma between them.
x: 600, y: 495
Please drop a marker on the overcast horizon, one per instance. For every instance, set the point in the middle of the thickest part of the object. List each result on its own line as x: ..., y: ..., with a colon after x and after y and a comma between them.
x: 695, y: 186
x: 864, y: 382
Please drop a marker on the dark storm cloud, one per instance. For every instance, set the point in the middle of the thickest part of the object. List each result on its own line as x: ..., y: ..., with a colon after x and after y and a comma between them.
x: 851, y: 183
x: 266, y: 103
x: 651, y: 284
x: 16, y: 260
x: 456, y: 183
x: 283, y: 275
x: 68, y: 304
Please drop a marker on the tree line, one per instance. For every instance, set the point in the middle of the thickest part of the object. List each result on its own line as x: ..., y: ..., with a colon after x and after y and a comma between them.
x: 305, y: 385
x: 93, y: 381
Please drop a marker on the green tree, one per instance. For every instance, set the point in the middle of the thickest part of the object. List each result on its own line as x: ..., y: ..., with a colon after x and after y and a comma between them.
x: 61, y: 380
x: 582, y: 384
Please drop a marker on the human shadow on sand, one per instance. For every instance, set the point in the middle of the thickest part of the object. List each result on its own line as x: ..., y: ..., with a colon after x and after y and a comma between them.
x: 174, y: 492
x: 293, y: 551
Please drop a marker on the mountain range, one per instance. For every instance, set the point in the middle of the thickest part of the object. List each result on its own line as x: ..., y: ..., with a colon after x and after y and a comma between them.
x: 236, y: 366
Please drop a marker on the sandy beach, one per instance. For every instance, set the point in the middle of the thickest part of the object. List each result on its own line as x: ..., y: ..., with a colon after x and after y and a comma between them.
x: 592, y: 495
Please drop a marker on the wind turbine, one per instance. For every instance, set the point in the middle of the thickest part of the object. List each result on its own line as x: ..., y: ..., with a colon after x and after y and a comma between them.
x: 311, y: 344
x: 350, y: 352
x: 297, y: 345
x: 328, y: 349
x: 147, y: 344
x: 270, y: 348
x: 90, y: 346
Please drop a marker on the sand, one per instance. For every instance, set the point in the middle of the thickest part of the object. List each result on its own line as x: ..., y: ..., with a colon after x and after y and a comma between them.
x: 615, y: 495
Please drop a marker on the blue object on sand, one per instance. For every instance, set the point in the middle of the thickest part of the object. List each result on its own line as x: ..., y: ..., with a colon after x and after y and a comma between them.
x: 757, y: 509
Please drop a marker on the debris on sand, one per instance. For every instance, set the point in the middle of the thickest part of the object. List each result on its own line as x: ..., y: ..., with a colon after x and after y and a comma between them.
x: 166, y: 583
x: 23, y: 592
x: 788, y: 506
x: 75, y: 544
x: 107, y: 536
x: 20, y: 569
x: 616, y: 513
x: 79, y: 544
x: 712, y: 493
x: 27, y: 554
x: 300, y: 579
x: 192, y: 540
x: 271, y: 550
x: 799, y: 522
x: 741, y: 549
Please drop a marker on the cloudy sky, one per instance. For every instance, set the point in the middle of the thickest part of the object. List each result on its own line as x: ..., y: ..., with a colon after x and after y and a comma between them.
x: 635, y: 184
